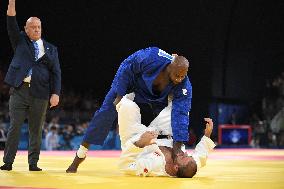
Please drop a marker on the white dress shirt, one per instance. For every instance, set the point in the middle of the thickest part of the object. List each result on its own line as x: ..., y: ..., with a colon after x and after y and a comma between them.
x: 40, y: 54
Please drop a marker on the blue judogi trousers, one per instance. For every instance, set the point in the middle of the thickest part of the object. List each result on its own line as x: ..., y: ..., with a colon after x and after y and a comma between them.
x: 102, y: 121
x: 106, y: 118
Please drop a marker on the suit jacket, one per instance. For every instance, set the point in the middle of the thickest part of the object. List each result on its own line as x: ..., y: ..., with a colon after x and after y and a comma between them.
x: 46, y: 76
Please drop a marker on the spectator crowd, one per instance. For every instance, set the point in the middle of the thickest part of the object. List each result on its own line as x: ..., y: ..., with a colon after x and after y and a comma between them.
x: 66, y: 124
x: 267, y: 119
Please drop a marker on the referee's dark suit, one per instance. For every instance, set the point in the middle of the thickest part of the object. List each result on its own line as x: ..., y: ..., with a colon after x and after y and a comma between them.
x: 29, y: 99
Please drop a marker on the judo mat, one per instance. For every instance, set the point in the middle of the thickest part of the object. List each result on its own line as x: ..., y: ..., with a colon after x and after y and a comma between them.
x: 225, y: 169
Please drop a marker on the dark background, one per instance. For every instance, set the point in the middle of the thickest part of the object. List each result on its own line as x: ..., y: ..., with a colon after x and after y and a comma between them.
x: 233, y: 46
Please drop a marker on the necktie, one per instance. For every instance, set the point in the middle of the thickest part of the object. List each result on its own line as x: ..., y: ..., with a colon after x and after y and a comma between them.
x: 36, y: 49
x: 36, y: 55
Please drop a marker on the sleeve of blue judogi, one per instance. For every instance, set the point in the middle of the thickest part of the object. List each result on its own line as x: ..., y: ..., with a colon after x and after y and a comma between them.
x: 135, y: 63
x: 182, y: 95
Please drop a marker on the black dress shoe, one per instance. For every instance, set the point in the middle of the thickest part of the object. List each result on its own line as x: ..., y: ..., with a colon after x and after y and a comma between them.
x: 7, y: 167
x: 34, y: 167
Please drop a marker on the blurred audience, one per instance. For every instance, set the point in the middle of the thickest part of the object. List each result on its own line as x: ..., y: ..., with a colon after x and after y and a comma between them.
x: 68, y: 134
x: 70, y: 119
x: 52, y: 139
x: 64, y: 123
x: 3, y: 136
x: 268, y: 124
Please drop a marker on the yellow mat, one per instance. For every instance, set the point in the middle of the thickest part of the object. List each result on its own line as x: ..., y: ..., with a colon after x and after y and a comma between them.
x: 225, y: 169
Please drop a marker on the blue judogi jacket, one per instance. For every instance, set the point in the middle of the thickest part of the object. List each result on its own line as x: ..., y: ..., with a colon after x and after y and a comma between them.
x: 137, y: 74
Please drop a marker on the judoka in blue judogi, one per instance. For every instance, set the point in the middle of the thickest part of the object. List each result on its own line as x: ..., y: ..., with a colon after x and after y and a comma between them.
x: 153, y: 75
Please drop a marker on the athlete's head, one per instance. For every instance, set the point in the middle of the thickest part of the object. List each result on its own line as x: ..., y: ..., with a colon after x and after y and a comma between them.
x: 187, y: 166
x: 178, y: 68
x: 182, y: 166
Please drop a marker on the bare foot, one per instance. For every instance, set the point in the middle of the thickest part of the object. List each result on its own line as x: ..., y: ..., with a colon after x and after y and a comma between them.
x: 75, y: 164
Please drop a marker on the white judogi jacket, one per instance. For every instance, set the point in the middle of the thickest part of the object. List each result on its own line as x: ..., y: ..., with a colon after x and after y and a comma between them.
x: 149, y: 161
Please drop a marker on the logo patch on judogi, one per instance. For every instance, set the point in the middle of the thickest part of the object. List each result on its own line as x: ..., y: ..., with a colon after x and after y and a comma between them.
x: 184, y: 91
x: 164, y: 54
x: 156, y: 154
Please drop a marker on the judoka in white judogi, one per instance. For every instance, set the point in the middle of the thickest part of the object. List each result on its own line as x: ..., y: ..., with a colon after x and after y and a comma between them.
x: 150, y: 160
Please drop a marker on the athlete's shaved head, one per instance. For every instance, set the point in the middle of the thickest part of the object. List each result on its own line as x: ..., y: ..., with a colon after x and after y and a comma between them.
x: 180, y: 61
x: 178, y: 69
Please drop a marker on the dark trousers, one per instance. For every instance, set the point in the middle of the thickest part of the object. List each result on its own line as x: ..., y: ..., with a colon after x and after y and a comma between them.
x: 23, y: 106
